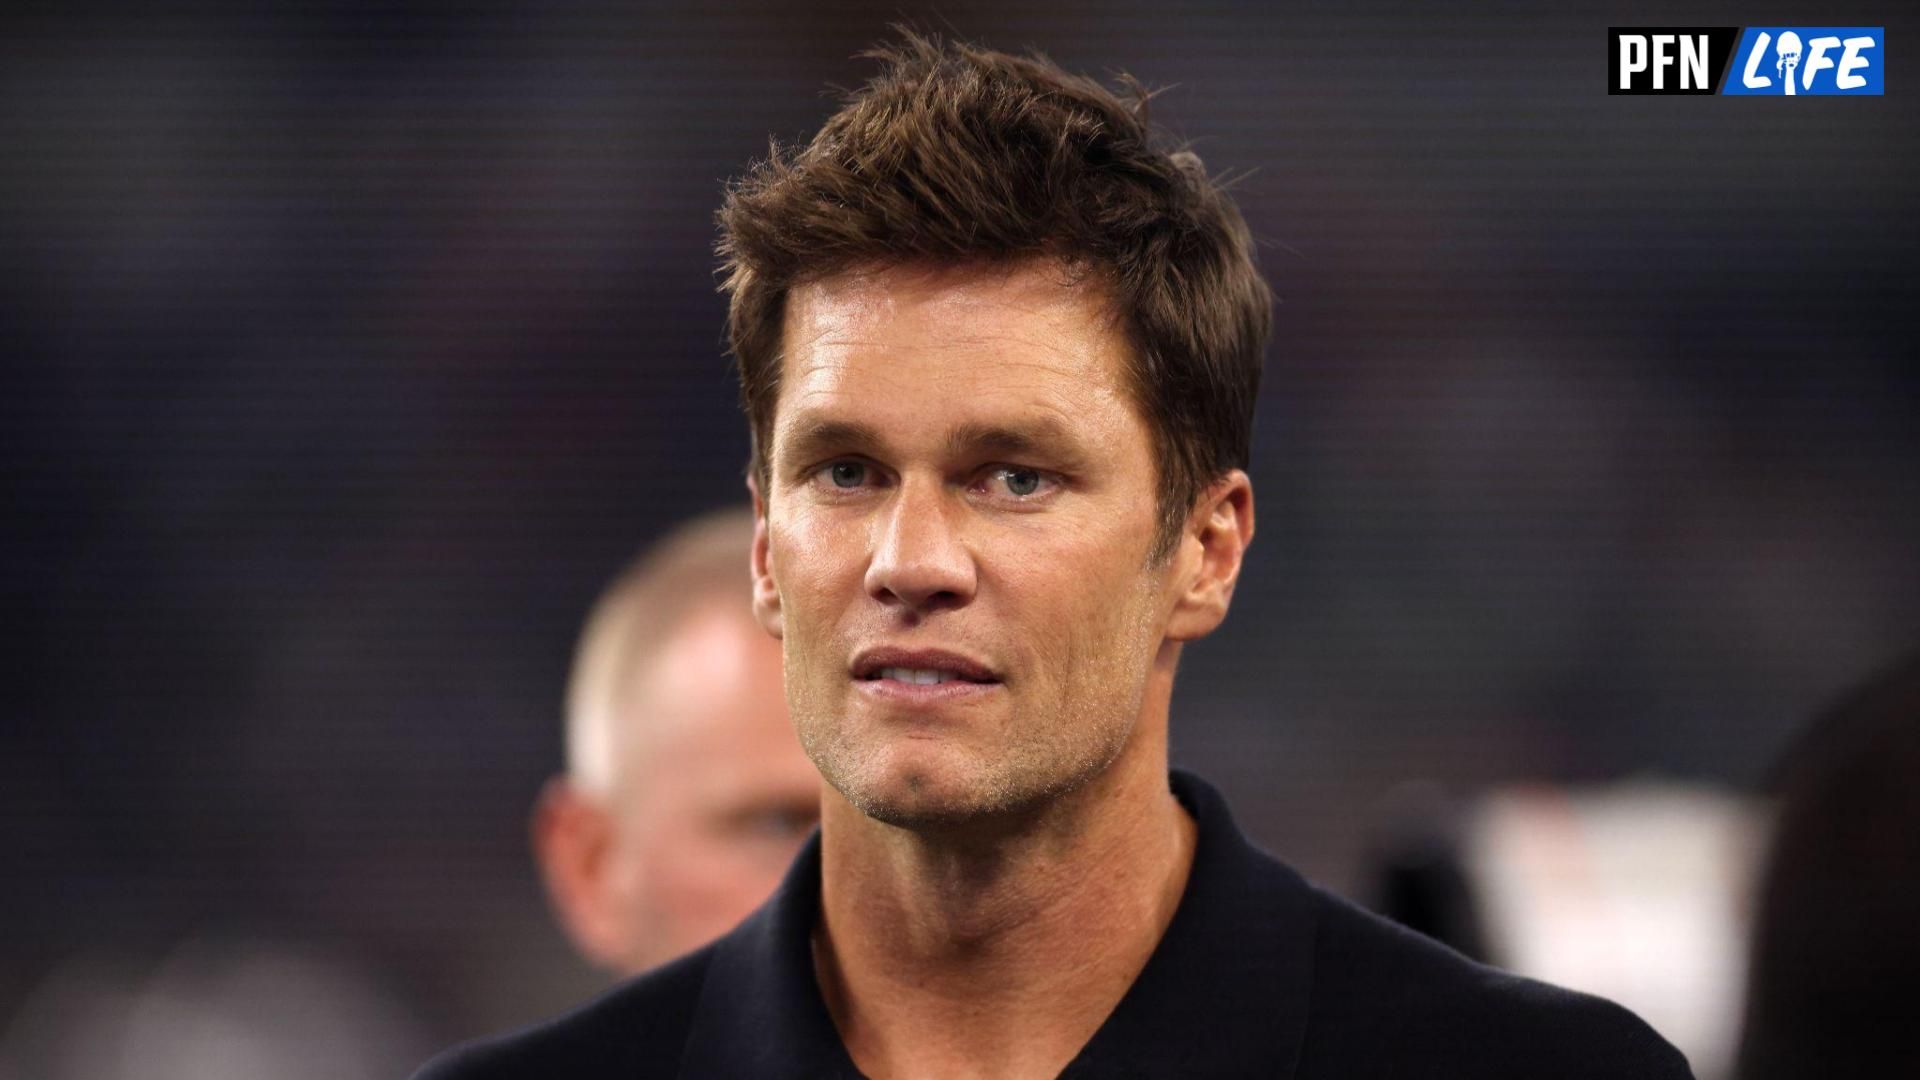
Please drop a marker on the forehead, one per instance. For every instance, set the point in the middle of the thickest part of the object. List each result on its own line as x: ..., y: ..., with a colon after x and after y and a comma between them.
x: 715, y: 676
x: 709, y: 728
x: 948, y: 345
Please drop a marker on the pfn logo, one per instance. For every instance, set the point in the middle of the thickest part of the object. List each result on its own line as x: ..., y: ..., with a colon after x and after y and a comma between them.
x: 1786, y: 61
x: 1810, y: 60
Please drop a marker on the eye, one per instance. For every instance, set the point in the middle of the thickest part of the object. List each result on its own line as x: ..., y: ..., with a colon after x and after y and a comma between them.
x: 780, y: 824
x: 1021, y: 483
x: 846, y: 474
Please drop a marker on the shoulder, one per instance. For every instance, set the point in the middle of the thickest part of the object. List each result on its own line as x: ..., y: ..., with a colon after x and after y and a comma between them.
x: 637, y: 1029
x: 1388, y: 1001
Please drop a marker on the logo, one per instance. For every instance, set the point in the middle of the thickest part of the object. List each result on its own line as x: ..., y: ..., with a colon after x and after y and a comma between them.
x: 1797, y: 60
x: 1786, y: 61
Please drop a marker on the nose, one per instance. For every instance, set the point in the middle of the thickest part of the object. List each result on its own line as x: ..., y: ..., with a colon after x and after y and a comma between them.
x: 919, y: 561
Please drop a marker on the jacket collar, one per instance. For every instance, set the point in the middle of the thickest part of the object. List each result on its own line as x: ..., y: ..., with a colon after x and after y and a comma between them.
x: 1225, y: 993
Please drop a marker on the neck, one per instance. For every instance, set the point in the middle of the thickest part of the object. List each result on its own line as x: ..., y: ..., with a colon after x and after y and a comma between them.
x: 1000, y: 954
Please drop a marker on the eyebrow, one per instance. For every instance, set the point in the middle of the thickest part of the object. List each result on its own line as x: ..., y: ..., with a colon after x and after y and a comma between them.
x: 812, y: 439
x: 1041, y: 435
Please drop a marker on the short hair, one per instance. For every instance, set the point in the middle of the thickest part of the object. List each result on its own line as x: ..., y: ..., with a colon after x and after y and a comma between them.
x: 954, y: 154
x: 701, y: 562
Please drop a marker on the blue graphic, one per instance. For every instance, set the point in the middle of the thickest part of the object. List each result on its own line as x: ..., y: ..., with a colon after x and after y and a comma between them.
x: 1793, y: 61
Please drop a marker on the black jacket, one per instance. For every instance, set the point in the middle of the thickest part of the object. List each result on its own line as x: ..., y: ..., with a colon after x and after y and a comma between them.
x: 1259, y: 975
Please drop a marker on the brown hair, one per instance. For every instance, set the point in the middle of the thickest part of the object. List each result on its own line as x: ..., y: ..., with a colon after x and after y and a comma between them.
x: 957, y: 154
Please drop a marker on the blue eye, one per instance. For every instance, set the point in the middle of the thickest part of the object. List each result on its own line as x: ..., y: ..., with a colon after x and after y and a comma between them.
x: 847, y: 474
x: 1021, y: 482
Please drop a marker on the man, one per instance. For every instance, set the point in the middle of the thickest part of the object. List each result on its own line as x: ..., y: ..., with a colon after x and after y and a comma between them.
x: 685, y: 794
x: 999, y: 354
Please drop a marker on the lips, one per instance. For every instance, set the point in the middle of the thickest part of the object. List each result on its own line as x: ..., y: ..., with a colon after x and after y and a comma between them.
x: 920, y: 667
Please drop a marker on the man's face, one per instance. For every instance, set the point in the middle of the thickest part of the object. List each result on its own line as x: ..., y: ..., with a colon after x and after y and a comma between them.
x: 718, y: 796
x: 959, y: 484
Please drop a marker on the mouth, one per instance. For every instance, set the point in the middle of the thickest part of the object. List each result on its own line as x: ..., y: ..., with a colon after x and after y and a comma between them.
x: 920, y: 676
x: 893, y: 669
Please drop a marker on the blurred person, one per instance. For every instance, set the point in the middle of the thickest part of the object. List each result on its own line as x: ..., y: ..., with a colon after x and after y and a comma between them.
x: 1837, y: 934
x: 999, y: 348
x: 686, y: 793
x: 1635, y: 891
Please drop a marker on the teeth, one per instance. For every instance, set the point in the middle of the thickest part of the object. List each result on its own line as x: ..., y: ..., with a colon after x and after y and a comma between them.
x: 923, y: 676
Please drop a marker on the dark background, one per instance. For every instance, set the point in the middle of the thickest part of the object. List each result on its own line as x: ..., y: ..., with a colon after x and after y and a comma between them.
x: 350, y: 349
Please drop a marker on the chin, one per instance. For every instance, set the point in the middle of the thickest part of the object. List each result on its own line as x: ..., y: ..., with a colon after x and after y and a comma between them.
x: 927, y: 789
x: 921, y: 784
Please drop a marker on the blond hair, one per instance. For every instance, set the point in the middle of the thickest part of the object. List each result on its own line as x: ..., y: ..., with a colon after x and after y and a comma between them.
x: 701, y: 562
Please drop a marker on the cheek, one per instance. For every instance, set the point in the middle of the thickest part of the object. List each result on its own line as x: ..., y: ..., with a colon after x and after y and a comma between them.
x: 715, y: 878
x: 818, y: 567
x: 812, y: 556
x: 1108, y: 664
x: 1083, y: 588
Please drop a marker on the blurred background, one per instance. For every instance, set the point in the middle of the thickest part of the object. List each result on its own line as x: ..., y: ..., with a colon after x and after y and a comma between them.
x: 350, y: 348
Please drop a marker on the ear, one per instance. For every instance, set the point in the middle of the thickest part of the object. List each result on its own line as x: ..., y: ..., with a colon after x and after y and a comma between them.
x: 1219, y: 528
x: 573, y: 843
x: 766, y: 594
